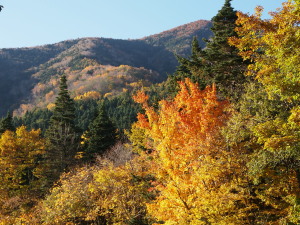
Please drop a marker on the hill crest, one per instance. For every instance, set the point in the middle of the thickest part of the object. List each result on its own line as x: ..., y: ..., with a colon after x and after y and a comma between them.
x: 150, y: 59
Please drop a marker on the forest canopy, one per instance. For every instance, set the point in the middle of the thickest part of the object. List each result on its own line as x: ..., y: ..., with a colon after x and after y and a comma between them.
x: 218, y: 142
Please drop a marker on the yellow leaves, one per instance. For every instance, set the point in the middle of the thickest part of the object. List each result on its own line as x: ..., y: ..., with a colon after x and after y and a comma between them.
x: 69, y: 200
x: 50, y: 106
x: 294, y: 118
x: 21, y: 142
x: 137, y: 137
x: 277, y: 135
x: 19, y: 152
x: 115, y: 194
x: 272, y: 45
x: 88, y: 95
x: 107, y: 95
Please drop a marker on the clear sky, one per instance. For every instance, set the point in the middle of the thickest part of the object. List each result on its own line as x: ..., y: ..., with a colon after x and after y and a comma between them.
x: 26, y: 23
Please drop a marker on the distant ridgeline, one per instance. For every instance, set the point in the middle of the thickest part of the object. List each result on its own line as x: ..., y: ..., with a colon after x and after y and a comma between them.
x: 29, y: 76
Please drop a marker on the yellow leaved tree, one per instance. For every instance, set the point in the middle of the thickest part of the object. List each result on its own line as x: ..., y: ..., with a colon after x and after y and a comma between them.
x: 20, y: 152
x: 273, y: 46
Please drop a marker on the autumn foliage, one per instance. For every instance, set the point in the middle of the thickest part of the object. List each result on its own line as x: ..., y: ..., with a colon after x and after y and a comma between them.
x: 191, y: 158
x: 273, y: 46
x: 189, y: 155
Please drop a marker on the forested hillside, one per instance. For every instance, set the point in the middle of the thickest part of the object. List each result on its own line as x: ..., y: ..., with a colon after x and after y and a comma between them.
x: 25, y: 70
x: 217, y: 142
x: 17, y: 67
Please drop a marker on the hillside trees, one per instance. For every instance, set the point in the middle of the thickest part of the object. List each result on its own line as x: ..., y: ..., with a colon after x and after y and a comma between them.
x: 6, y: 123
x: 121, y: 109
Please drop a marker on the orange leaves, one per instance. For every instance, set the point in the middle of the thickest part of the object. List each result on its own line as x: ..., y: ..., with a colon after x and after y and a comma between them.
x: 141, y: 98
x: 200, y: 109
x: 150, y: 116
x: 192, y: 117
x: 185, y: 136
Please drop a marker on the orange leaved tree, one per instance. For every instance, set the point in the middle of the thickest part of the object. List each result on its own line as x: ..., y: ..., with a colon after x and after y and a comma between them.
x: 194, y: 171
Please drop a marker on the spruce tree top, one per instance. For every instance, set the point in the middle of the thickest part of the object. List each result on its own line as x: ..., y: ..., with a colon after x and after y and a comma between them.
x: 64, y: 111
x: 6, y: 123
x: 224, y: 21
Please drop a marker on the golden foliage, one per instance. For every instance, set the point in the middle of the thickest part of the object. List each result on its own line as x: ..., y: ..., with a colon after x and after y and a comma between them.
x: 19, y: 172
x: 273, y: 47
x: 107, y: 193
x: 88, y: 95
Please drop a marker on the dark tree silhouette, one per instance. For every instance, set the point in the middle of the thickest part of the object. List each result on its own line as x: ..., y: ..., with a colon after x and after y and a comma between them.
x: 1, y: 7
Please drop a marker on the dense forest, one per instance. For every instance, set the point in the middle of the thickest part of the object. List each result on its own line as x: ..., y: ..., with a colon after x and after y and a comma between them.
x: 216, y: 142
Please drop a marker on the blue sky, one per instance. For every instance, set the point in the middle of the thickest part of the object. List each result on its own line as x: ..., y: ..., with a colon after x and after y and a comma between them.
x: 37, y: 22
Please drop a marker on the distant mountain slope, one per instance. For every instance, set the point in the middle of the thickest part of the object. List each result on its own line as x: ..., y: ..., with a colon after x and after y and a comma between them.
x: 16, y: 68
x: 24, y: 70
x: 135, y: 53
x: 178, y: 40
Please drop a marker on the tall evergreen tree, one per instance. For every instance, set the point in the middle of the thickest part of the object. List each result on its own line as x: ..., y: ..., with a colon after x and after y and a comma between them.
x: 62, y: 139
x: 223, y: 65
x: 101, y: 134
x: 219, y: 62
x: 6, y: 123
x: 64, y: 111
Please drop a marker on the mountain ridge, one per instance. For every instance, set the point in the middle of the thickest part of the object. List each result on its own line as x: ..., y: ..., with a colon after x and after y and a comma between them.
x: 22, y: 69
x: 181, y: 44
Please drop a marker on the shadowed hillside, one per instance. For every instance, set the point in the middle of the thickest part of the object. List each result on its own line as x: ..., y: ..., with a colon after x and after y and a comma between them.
x: 27, y: 75
x: 16, y: 68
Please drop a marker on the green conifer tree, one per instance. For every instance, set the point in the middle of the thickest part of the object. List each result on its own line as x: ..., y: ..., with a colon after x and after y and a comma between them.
x: 64, y: 111
x: 101, y: 134
x: 62, y: 138
x: 7, y: 123
x: 191, y: 67
x: 219, y: 62
x: 223, y: 65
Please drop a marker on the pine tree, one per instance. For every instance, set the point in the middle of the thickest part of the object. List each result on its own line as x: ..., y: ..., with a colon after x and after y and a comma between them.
x: 223, y: 65
x: 64, y: 111
x: 6, y: 123
x: 191, y: 68
x: 219, y: 62
x: 62, y: 139
x: 101, y: 134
